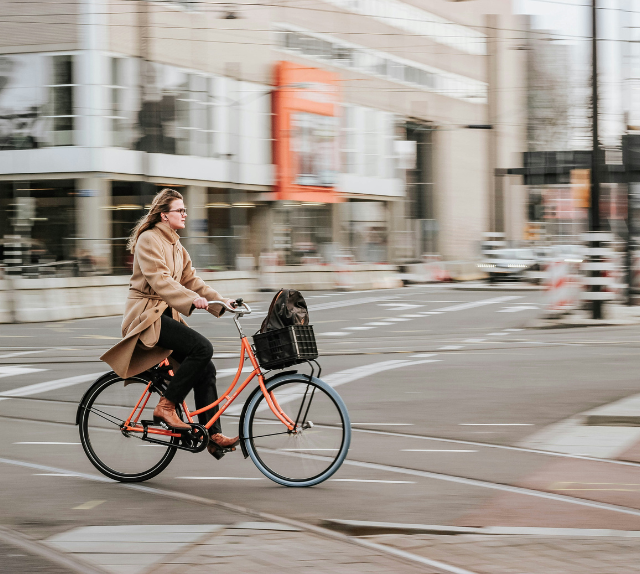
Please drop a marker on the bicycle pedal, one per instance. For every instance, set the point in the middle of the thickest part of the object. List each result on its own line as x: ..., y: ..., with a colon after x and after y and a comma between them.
x: 218, y: 454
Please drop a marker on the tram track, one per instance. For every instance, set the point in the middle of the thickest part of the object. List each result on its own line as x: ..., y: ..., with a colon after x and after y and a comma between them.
x: 361, y: 430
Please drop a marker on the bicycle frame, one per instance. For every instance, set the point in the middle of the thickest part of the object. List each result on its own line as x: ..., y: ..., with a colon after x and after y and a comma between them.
x: 230, y: 395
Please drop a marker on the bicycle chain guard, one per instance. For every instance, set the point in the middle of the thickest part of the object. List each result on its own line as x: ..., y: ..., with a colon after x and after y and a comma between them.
x: 194, y: 440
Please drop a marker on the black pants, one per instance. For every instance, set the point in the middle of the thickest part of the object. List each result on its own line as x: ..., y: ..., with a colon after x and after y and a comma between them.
x: 196, y: 371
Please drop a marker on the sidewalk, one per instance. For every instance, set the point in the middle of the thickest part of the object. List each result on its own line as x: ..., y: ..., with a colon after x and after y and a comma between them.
x: 247, y: 547
x: 614, y: 314
x: 524, y: 554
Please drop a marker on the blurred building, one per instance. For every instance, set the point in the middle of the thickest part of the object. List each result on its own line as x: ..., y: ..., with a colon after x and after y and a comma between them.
x: 285, y: 126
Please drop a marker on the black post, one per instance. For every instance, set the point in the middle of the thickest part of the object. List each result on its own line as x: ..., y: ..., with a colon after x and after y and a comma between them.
x: 594, y: 212
x: 627, y: 146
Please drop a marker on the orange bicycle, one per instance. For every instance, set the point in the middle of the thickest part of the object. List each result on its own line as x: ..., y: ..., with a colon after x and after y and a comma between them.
x: 294, y: 426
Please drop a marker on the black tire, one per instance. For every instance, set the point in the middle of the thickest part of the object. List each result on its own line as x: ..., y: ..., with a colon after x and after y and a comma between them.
x: 299, y: 459
x: 123, y: 458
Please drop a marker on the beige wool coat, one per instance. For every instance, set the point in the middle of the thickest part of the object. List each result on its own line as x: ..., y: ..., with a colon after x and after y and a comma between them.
x: 162, y: 276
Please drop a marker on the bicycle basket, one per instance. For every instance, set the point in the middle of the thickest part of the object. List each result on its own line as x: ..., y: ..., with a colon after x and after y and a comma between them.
x: 285, y: 347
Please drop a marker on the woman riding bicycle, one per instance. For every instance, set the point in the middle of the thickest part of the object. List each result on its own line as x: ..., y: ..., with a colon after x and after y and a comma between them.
x: 164, y: 285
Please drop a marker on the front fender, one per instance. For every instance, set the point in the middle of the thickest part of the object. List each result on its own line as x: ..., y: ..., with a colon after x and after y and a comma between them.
x: 278, y: 376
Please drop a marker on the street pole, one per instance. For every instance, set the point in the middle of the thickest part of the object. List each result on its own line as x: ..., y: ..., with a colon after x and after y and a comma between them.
x: 594, y: 212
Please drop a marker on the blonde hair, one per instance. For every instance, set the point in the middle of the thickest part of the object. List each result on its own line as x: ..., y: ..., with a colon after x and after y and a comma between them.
x: 161, y: 204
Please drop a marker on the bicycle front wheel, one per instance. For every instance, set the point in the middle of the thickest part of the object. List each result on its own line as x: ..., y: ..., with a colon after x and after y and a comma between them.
x: 321, y: 439
x: 123, y: 456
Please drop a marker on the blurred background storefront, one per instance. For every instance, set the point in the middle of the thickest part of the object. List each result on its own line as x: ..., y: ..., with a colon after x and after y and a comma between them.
x: 304, y: 143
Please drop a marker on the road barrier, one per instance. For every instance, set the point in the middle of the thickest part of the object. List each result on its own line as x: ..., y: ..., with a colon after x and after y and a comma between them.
x: 56, y: 299
x: 563, y: 285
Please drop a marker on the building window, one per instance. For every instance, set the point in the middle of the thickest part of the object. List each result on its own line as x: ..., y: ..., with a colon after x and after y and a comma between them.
x: 117, y: 115
x: 195, y: 113
x: 348, y: 143
x: 183, y: 115
x: 371, y: 151
x: 61, y: 92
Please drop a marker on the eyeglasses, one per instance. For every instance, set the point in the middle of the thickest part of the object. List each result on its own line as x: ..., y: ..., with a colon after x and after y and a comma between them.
x: 181, y: 211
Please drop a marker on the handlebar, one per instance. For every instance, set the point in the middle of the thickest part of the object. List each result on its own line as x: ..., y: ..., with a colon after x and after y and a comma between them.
x: 241, y: 307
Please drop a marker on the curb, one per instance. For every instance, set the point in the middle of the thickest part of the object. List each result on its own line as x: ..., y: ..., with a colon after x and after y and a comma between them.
x: 363, y: 528
x: 481, y: 287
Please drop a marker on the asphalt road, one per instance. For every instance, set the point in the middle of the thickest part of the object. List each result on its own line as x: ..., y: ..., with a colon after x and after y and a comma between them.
x: 439, y: 382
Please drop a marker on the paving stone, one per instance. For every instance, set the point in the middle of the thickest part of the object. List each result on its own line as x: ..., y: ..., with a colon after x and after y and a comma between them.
x: 519, y: 554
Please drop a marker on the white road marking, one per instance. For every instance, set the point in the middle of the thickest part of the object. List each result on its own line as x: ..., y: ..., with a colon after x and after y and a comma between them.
x: 349, y: 303
x: 496, y: 424
x: 423, y: 355
x: 435, y: 450
x: 334, y: 334
x: 49, y: 386
x: 386, y: 424
x: 89, y: 505
x: 358, y: 328
x: 518, y: 308
x: 432, y: 313
x: 376, y: 481
x: 451, y: 348
x: 412, y: 316
x: 480, y: 303
x: 378, y: 324
x: 45, y: 442
x: 495, y: 335
x: 397, y: 319
x: 16, y: 370
x: 20, y: 354
x: 343, y: 377
x: 217, y: 478
x: 474, y: 341
x: 306, y: 449
x: 221, y: 373
x: 399, y: 306
x: 513, y: 330
x: 52, y: 474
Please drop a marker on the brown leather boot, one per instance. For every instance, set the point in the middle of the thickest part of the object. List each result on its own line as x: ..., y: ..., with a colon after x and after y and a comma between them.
x: 218, y: 444
x: 165, y: 411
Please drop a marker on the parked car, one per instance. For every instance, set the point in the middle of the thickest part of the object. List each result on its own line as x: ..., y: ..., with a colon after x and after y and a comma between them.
x: 509, y: 264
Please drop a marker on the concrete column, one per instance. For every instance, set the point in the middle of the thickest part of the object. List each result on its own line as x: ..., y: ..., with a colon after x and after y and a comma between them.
x: 91, y: 96
x: 195, y: 200
x: 93, y: 221
x: 261, y: 222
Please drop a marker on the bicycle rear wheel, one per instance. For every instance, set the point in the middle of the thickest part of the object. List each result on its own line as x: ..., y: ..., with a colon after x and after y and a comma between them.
x: 123, y: 456
x: 321, y: 441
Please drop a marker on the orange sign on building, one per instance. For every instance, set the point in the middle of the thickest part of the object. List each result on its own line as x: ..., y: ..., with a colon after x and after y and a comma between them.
x: 306, y: 130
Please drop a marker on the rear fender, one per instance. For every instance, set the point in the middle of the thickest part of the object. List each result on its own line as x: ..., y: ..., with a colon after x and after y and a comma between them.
x: 255, y: 391
x: 87, y: 393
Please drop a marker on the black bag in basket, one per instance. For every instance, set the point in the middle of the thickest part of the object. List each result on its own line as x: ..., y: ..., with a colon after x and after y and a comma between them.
x: 285, y: 338
x: 287, y: 308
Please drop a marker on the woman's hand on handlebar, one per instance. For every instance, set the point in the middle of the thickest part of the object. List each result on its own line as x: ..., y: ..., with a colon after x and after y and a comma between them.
x: 231, y: 302
x: 201, y: 303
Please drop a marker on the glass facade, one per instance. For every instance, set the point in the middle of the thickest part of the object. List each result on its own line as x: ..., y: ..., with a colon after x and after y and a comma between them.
x: 42, y: 216
x: 37, y: 101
